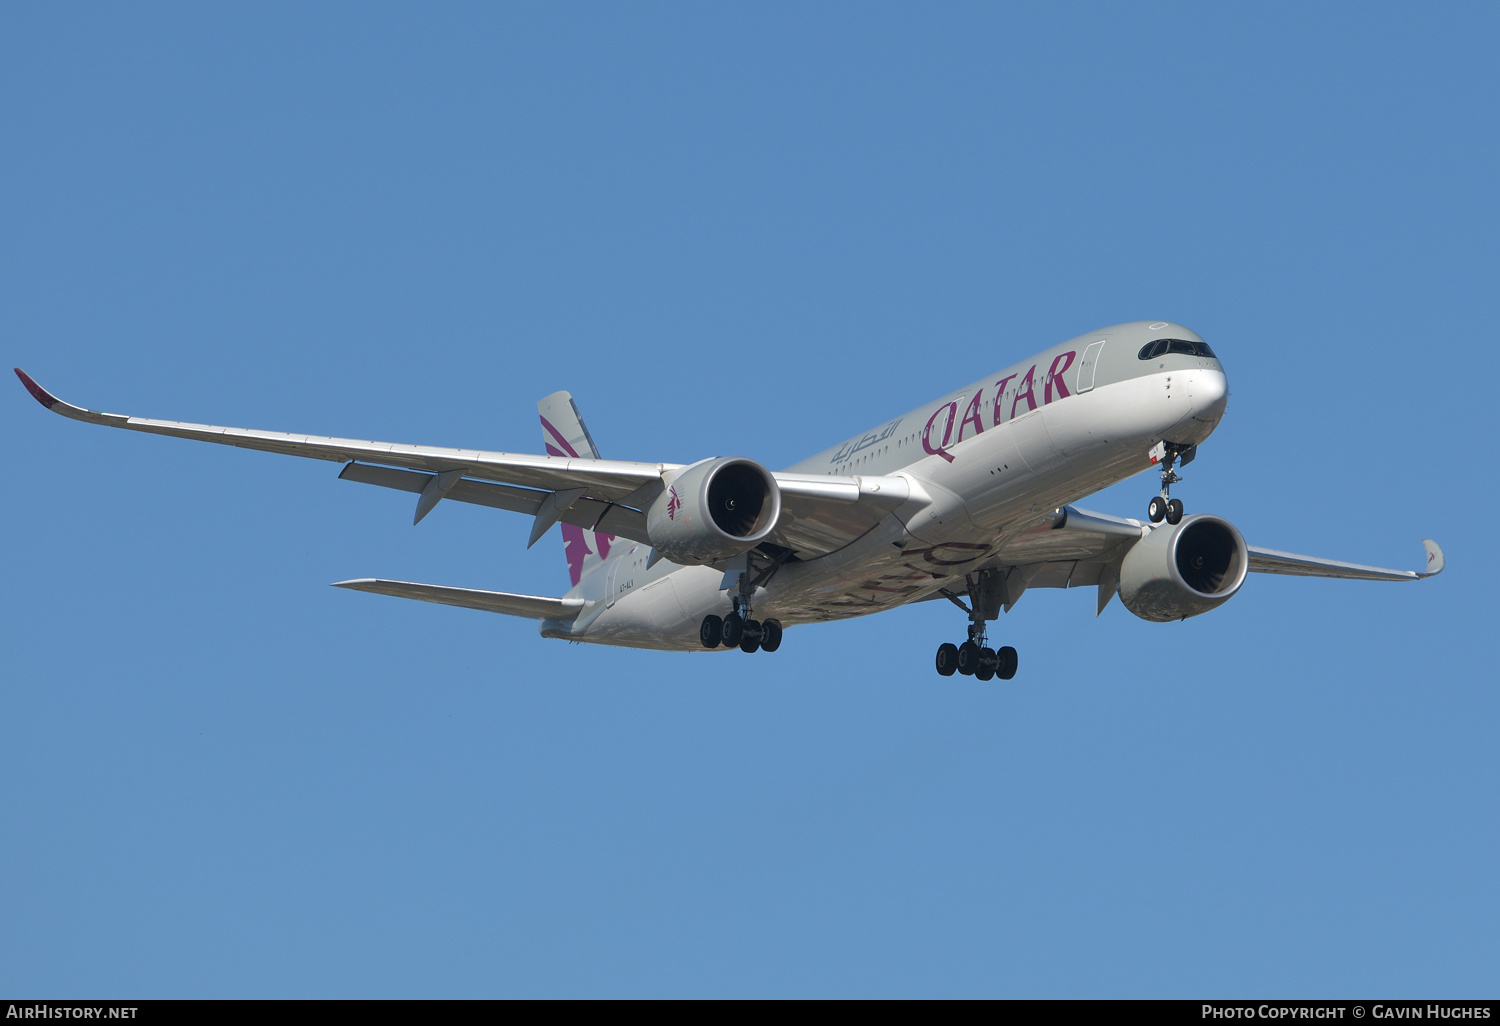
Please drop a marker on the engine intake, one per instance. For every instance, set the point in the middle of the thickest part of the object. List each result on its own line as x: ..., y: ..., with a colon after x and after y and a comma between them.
x: 1182, y: 571
x: 714, y: 510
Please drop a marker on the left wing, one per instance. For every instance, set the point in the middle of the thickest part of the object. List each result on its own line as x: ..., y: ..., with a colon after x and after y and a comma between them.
x: 1269, y: 561
x: 1073, y: 548
x: 1069, y: 546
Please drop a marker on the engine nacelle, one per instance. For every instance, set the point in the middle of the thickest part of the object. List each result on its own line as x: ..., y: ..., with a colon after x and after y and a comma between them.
x: 1177, y: 572
x: 714, y: 510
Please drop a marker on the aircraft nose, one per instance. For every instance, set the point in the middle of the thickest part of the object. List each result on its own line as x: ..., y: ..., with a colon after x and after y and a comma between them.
x: 1211, y: 393
x: 1210, y: 397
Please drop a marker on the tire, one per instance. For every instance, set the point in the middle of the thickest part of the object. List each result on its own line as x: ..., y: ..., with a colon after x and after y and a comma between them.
x: 968, y: 658
x: 1007, y: 660
x: 750, y: 638
x: 987, y: 664
x: 732, y: 631
x: 947, y: 659
x: 1174, y: 511
x: 770, y: 636
x: 712, y: 631
x: 1157, y: 511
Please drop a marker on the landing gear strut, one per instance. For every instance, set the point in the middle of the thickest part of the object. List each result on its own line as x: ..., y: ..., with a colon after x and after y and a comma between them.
x: 1163, y: 506
x: 974, y: 658
x: 739, y: 629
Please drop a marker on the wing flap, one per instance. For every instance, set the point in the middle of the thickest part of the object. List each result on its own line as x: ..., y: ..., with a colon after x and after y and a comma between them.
x: 531, y: 607
x: 590, y: 514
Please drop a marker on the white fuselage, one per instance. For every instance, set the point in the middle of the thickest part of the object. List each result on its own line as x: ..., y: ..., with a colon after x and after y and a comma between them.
x: 983, y: 462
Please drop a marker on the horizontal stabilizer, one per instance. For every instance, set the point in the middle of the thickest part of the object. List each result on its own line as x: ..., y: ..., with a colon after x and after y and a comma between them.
x: 532, y: 607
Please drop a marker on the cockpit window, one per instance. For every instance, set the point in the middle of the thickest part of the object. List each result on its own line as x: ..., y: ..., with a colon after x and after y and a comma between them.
x: 1162, y: 346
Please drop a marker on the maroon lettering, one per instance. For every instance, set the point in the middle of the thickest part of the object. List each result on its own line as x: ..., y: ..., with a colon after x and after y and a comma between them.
x: 1029, y: 395
x: 940, y: 450
x: 1054, y: 377
x: 999, y: 395
x: 971, y: 416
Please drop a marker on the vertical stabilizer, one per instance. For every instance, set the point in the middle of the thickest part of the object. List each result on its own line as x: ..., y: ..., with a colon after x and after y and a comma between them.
x: 564, y: 434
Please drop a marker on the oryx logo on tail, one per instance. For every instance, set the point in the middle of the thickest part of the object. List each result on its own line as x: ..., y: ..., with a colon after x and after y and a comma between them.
x: 564, y: 434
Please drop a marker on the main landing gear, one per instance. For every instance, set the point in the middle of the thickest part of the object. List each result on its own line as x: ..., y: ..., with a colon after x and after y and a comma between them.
x: 974, y: 658
x: 1163, y: 506
x: 739, y: 629
x: 736, y: 631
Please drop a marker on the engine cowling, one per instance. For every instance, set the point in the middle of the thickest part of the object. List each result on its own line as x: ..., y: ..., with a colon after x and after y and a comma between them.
x: 1177, y: 572
x: 714, y: 510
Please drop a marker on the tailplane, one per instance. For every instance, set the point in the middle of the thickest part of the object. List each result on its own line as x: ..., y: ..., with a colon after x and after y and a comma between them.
x: 564, y: 434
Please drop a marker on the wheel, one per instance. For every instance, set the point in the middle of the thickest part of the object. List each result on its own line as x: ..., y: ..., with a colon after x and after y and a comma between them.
x: 1174, y: 511
x: 968, y: 658
x: 712, y: 631
x: 947, y: 659
x: 1006, y: 659
x: 733, y: 629
x: 987, y: 664
x: 1158, y: 510
x: 750, y: 637
x: 770, y: 635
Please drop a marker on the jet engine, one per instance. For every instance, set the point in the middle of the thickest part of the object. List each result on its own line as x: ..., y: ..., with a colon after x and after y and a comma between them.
x: 1177, y: 572
x: 714, y: 510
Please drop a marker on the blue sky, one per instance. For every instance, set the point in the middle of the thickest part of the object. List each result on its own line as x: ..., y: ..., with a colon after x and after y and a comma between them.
x: 736, y: 230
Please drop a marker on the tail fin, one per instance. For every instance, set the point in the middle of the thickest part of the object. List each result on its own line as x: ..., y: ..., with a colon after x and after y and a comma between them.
x: 564, y: 434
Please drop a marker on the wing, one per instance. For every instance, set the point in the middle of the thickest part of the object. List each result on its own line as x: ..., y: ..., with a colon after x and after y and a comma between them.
x: 1269, y: 561
x: 1073, y: 548
x: 820, y: 513
x: 605, y: 479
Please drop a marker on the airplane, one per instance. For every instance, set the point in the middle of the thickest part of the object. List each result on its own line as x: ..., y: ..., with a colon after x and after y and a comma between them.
x: 967, y: 499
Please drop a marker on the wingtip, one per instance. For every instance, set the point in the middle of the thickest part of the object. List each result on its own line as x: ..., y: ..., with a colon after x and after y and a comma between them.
x: 38, y: 393
x: 1435, y: 559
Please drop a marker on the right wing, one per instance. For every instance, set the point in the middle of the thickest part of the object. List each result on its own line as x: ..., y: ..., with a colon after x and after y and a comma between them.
x: 603, y: 479
x: 820, y: 513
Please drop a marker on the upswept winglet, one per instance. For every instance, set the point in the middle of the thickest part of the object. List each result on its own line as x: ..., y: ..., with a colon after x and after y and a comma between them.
x: 39, y: 393
x: 1434, y: 558
x: 56, y: 405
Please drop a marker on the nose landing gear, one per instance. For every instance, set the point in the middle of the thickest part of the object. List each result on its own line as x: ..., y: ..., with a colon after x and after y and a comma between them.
x: 974, y: 658
x: 1163, y: 506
